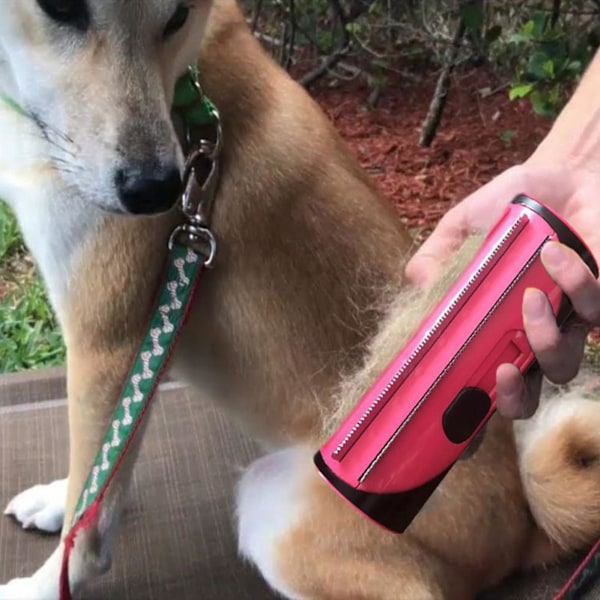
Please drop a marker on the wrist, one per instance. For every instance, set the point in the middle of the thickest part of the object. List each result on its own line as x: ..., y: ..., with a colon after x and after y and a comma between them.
x: 577, y: 154
x: 574, y: 139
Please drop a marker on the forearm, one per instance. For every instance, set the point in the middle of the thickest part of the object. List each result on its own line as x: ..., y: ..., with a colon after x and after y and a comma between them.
x: 575, y: 136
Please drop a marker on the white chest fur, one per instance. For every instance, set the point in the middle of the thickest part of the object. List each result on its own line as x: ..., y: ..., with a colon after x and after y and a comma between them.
x: 53, y: 220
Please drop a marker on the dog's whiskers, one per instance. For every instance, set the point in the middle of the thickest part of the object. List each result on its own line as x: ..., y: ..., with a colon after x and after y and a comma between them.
x: 54, y: 135
x: 58, y: 146
x: 62, y: 143
x: 63, y: 165
x: 63, y: 136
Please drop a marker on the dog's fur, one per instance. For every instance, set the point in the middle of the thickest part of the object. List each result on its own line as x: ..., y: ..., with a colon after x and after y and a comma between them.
x: 305, y: 307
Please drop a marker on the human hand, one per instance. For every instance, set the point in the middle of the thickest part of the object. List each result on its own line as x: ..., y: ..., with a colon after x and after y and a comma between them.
x: 572, y: 193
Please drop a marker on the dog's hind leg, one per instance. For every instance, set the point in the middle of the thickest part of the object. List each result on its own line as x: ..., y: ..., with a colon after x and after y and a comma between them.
x: 308, y: 543
x: 559, y: 460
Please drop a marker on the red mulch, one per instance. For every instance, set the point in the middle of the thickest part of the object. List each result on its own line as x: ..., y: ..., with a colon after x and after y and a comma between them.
x: 424, y: 183
x: 467, y: 152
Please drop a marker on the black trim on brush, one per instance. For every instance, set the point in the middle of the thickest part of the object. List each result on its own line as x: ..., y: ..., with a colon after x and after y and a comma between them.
x: 566, y: 235
x: 394, y: 511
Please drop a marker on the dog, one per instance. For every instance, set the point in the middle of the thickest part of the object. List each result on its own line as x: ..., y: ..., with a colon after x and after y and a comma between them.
x: 306, y: 305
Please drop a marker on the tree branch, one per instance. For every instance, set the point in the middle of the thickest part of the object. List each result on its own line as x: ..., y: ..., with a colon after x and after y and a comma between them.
x: 555, y: 13
x: 438, y: 103
x: 327, y: 63
x: 256, y: 16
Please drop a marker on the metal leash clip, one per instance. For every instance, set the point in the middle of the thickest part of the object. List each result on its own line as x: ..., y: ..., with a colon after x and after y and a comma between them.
x: 201, y: 180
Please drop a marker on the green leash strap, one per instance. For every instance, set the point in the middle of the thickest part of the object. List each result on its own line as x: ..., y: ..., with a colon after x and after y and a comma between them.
x: 168, y: 318
x: 191, y: 250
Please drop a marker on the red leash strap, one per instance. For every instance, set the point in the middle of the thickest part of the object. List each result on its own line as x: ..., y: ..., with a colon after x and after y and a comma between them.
x: 168, y: 318
x: 87, y: 522
x: 583, y: 575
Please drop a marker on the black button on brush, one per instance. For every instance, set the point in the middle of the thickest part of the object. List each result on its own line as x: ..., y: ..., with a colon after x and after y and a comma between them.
x: 465, y: 414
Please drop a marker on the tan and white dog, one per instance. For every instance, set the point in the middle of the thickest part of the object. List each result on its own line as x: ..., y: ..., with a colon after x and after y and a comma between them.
x: 305, y: 306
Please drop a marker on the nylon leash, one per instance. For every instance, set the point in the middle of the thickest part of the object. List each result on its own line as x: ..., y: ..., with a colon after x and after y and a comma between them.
x: 192, y: 249
x: 587, y: 571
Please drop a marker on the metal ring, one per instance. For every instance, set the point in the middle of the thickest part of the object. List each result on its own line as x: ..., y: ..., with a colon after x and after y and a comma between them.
x: 194, y: 75
x: 195, y: 234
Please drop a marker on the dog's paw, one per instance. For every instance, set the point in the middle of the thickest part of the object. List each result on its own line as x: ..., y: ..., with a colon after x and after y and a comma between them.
x: 23, y: 589
x: 40, y: 507
x: 43, y: 584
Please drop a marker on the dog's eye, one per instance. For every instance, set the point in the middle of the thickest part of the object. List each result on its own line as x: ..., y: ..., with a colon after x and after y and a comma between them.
x: 67, y: 12
x: 177, y: 21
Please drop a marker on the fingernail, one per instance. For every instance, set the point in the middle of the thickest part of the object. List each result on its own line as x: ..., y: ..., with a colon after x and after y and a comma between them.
x: 554, y: 255
x: 534, y: 305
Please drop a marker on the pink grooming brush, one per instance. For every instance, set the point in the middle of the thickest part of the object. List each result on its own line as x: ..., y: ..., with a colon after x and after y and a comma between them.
x: 403, y: 437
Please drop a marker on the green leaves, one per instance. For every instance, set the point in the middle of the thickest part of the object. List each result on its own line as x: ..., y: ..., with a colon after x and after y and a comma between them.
x: 507, y: 135
x: 539, y: 67
x: 548, y: 63
x: 546, y: 102
x: 520, y: 91
x: 472, y: 16
x: 493, y: 34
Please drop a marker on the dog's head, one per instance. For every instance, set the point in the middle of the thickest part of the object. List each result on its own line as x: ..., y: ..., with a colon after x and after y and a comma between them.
x: 98, y: 77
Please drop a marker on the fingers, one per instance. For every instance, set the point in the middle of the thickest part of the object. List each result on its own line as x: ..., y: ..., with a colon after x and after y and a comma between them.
x: 476, y: 213
x: 559, y: 353
x: 424, y: 267
x: 576, y: 280
x: 517, y: 397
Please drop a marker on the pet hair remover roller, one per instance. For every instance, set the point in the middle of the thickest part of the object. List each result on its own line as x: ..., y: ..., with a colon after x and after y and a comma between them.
x: 403, y: 437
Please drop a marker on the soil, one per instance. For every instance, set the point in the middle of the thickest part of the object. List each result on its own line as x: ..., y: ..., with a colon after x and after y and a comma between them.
x: 468, y: 151
x: 423, y: 183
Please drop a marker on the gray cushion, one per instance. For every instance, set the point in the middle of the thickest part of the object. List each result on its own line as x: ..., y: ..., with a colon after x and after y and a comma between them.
x: 178, y: 536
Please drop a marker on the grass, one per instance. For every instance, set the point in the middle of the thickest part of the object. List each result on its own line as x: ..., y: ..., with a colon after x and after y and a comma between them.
x: 10, y: 239
x: 29, y: 334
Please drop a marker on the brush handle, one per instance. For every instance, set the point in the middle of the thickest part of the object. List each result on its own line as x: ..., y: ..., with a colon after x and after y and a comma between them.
x: 409, y: 429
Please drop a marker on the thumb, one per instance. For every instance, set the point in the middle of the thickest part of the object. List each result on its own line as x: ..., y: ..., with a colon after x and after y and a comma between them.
x: 476, y: 212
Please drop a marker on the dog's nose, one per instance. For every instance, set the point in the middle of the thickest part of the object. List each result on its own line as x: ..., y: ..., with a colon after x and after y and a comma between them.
x: 149, y: 195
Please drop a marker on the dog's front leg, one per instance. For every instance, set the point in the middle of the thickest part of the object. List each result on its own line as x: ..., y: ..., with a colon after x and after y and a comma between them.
x: 105, y: 318
x: 94, y: 384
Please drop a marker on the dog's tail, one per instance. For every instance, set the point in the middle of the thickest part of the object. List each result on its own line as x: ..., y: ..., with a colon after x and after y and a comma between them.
x: 559, y: 460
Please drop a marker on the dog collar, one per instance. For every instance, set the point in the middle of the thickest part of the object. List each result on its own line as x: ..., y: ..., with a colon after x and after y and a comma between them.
x: 12, y: 104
